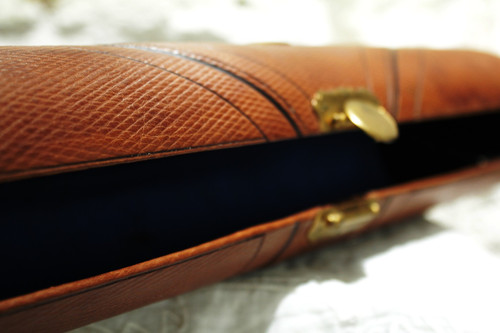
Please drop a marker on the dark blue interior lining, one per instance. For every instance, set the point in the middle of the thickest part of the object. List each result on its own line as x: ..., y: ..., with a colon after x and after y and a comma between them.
x: 66, y: 227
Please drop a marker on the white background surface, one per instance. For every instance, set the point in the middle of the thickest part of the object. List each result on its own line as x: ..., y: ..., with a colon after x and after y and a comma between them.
x: 438, y: 274
x: 390, y: 23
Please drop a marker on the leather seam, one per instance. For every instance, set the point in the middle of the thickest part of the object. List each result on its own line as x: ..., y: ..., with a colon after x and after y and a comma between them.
x: 261, y: 91
x: 181, y: 76
x: 254, y: 256
x: 283, y: 76
x: 419, y: 86
x: 395, y: 82
x: 280, y: 252
x: 364, y: 61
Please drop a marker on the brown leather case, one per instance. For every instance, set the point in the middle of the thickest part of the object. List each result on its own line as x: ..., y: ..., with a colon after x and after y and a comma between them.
x: 67, y: 112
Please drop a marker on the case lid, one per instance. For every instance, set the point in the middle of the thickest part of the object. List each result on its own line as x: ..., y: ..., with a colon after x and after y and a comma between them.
x: 70, y: 108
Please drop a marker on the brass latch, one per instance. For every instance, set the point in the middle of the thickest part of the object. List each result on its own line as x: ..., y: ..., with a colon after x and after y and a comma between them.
x: 346, y: 108
x: 342, y: 219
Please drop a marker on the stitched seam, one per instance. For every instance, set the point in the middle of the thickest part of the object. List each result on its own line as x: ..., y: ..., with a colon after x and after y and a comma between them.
x: 286, y: 245
x: 257, y: 251
x: 261, y: 91
x: 364, y: 61
x: 181, y: 76
x: 395, y: 82
x: 274, y: 70
x: 284, y: 77
x: 419, y: 86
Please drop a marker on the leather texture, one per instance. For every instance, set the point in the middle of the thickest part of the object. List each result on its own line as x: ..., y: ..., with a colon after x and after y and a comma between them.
x: 71, y: 108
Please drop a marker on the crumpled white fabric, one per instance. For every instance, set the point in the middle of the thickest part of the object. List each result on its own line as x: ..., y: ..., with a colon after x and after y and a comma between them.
x: 389, y: 23
x: 438, y: 274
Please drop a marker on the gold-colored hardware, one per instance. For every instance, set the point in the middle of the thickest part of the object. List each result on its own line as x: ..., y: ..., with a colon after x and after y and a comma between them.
x: 270, y: 44
x: 346, y: 108
x: 342, y: 219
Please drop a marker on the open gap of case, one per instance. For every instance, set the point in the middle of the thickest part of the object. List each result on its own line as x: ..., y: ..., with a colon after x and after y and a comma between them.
x: 62, y: 228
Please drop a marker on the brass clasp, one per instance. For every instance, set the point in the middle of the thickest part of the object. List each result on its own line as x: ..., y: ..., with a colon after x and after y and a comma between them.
x: 345, y: 108
x: 342, y: 219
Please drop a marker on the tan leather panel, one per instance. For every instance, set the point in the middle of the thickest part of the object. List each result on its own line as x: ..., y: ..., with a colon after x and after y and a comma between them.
x: 263, y: 114
x: 274, y: 68
x: 324, y: 68
x: 410, y: 70
x: 64, y: 106
x: 291, y: 97
x: 459, y: 82
x: 412, y: 84
x: 68, y: 108
x: 381, y: 76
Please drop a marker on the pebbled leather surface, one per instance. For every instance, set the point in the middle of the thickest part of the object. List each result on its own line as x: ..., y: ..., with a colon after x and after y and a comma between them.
x: 67, y: 108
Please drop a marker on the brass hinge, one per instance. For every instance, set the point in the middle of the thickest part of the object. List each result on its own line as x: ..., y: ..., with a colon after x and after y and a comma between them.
x: 342, y: 219
x: 345, y: 108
